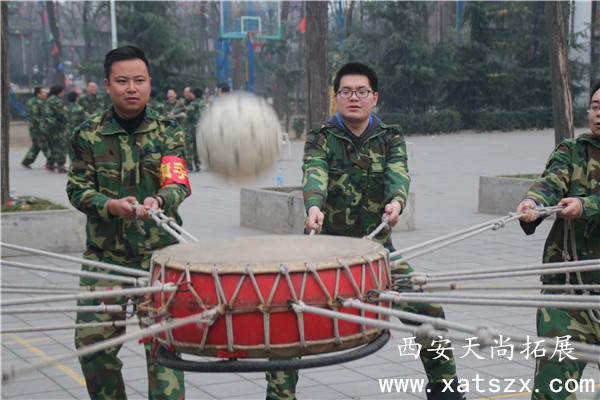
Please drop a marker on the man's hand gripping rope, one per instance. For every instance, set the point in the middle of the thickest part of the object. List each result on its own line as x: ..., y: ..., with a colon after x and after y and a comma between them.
x: 164, y: 222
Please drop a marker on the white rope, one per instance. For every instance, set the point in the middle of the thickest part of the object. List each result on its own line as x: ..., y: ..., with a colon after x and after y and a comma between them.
x: 382, y: 225
x: 97, y: 309
x: 527, y: 270
x: 78, y: 260
x: 167, y: 287
x: 485, y: 334
x: 465, y: 233
x: 97, y: 275
x: 583, y: 352
x: 488, y: 287
x: 88, y: 325
x: 548, y: 301
x: 206, y: 317
x: 166, y: 223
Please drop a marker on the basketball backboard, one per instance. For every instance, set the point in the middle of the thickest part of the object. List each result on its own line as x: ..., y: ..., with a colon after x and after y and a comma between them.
x: 239, y: 17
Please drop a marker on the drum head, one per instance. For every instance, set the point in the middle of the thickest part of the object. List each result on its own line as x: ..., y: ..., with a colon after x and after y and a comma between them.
x: 269, y: 253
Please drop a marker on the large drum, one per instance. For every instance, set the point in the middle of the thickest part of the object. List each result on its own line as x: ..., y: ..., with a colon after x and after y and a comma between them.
x: 255, y: 279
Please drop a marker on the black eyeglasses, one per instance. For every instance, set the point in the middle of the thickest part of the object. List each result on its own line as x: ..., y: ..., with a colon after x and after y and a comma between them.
x: 360, y: 93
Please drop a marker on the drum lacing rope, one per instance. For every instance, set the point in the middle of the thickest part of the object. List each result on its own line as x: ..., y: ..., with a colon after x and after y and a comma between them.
x: 191, y: 288
x: 299, y: 316
x: 331, y: 302
x: 224, y: 303
x: 262, y: 308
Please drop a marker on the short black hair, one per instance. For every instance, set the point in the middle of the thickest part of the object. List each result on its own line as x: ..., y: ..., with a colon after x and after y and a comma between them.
x: 224, y: 87
x: 72, y: 96
x: 37, y: 90
x: 90, y: 81
x: 56, y: 89
x: 355, y: 68
x: 198, y: 91
x: 123, y: 54
x: 595, y: 88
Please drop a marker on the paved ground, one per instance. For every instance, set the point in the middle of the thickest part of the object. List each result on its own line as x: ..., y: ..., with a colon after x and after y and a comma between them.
x: 445, y: 171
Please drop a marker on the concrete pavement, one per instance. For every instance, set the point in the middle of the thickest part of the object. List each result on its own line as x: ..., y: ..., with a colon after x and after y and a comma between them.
x: 445, y: 173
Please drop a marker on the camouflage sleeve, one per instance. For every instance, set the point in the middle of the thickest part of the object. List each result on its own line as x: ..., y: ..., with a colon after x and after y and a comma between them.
x: 553, y: 185
x: 81, y: 181
x: 315, y: 169
x: 175, y: 193
x: 396, y: 178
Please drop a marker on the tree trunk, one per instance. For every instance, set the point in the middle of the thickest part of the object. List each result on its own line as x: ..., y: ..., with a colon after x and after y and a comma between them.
x: 562, y: 102
x: 316, y: 62
x: 5, y: 106
x: 59, y: 75
x: 282, y: 90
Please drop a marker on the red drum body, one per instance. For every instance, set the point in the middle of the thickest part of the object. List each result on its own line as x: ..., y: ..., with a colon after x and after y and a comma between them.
x: 255, y: 279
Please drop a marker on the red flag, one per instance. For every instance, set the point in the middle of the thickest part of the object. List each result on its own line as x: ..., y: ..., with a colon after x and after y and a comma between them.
x: 54, y: 50
x: 302, y: 25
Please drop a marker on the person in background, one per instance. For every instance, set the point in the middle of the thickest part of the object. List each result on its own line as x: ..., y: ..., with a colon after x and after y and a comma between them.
x: 192, y: 116
x: 53, y: 126
x: 35, y: 109
x: 91, y: 102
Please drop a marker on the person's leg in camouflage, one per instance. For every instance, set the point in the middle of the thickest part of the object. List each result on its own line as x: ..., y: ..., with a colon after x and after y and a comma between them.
x: 281, y: 385
x: 102, y: 370
x: 436, y: 368
x: 556, y: 323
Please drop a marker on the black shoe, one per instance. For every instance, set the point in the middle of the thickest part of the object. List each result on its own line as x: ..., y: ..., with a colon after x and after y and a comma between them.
x: 441, y: 391
x: 26, y: 166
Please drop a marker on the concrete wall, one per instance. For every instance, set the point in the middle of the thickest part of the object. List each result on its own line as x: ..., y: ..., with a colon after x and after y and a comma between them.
x: 283, y: 212
x: 499, y: 195
x: 59, y: 231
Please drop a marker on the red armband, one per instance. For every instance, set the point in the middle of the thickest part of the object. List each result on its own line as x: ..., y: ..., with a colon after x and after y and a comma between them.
x: 173, y: 170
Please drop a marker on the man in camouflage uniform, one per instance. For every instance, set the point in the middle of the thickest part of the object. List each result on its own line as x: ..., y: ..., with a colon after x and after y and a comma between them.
x: 125, y: 155
x: 91, y: 102
x: 174, y: 107
x: 53, y: 126
x: 571, y: 179
x: 154, y: 104
x: 192, y: 116
x: 355, y: 175
x: 75, y: 114
x: 34, y: 109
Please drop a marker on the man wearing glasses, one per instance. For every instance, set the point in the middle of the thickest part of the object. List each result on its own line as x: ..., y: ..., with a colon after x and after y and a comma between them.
x: 355, y: 175
x: 571, y: 179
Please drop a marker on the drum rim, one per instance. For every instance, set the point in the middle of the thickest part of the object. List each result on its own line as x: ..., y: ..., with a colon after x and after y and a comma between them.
x: 169, y: 258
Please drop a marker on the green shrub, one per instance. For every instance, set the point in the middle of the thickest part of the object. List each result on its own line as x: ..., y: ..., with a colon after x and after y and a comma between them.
x: 434, y: 122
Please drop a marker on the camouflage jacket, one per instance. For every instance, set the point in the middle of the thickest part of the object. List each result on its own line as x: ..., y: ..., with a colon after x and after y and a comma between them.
x: 193, y: 114
x: 91, y: 104
x: 572, y: 170
x: 75, y: 116
x: 35, y: 111
x: 54, y: 120
x: 108, y: 163
x: 353, y: 185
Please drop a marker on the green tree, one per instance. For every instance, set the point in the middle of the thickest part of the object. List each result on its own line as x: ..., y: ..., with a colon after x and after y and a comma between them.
x: 151, y: 25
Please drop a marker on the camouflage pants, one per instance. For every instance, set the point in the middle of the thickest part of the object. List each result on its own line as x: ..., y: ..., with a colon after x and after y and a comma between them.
x: 57, y: 148
x: 554, y: 323
x: 191, y: 150
x: 38, y: 143
x: 437, y: 368
x: 281, y: 385
x: 102, y: 370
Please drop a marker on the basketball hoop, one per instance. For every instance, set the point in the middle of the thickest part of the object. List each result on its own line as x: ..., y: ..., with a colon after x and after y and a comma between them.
x: 256, y: 41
